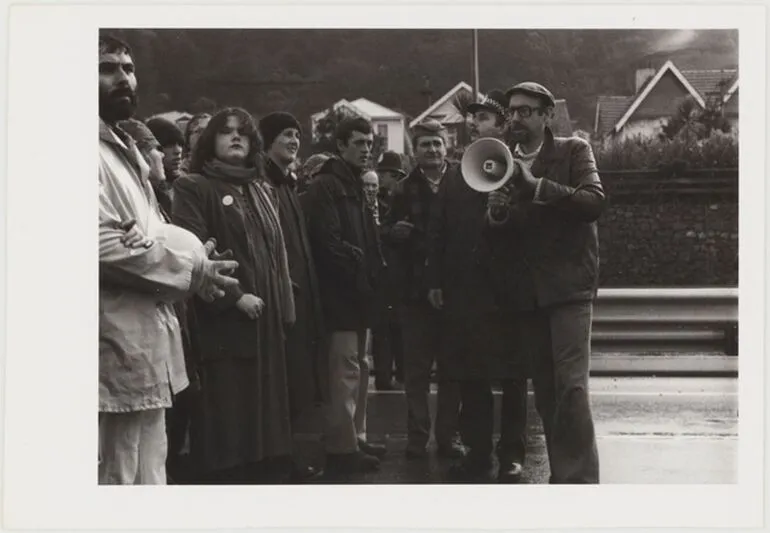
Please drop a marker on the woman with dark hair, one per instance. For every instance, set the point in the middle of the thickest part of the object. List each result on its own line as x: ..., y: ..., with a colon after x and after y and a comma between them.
x: 192, y: 133
x: 242, y: 432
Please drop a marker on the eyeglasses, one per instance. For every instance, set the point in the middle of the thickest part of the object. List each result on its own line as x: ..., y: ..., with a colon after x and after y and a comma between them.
x: 525, y: 111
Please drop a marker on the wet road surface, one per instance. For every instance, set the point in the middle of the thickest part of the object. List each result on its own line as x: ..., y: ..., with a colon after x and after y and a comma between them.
x: 649, y: 430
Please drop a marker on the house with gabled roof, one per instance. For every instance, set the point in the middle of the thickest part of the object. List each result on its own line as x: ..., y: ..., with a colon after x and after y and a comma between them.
x: 387, y: 123
x: 445, y: 111
x: 658, y: 96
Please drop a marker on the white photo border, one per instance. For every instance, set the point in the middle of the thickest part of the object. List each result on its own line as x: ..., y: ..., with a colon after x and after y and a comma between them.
x: 52, y: 295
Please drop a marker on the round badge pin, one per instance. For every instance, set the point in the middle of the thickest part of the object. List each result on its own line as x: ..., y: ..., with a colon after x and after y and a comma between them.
x: 227, y: 200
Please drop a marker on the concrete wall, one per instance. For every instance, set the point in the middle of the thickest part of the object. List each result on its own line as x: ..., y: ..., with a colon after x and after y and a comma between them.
x: 672, y: 240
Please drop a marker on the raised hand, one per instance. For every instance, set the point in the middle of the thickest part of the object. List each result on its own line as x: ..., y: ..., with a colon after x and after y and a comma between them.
x: 216, y: 274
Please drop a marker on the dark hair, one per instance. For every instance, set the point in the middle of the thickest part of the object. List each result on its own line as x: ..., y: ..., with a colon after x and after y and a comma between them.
x: 112, y: 45
x: 205, y: 149
x: 167, y: 133
x: 344, y: 130
x: 188, y: 128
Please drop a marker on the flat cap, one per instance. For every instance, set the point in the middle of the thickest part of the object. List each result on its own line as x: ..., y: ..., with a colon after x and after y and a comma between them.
x: 428, y: 127
x: 532, y: 89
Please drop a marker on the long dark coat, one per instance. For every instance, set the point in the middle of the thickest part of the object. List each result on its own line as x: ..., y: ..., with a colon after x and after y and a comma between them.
x: 244, y: 409
x: 478, y: 342
x: 306, y: 355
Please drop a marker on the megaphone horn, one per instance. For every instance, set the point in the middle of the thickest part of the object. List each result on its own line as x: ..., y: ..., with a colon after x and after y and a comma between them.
x: 487, y: 165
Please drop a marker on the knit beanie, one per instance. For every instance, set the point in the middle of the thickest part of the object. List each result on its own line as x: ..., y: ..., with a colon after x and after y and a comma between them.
x: 141, y: 134
x: 167, y: 133
x: 273, y: 124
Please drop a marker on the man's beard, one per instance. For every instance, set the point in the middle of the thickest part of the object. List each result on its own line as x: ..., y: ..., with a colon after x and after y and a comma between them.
x: 113, y: 108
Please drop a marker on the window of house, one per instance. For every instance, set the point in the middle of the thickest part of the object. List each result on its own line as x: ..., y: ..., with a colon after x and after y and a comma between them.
x: 382, y: 130
x: 451, y: 138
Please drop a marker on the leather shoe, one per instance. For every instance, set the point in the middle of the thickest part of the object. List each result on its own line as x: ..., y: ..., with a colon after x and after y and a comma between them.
x: 510, y: 472
x: 376, y: 450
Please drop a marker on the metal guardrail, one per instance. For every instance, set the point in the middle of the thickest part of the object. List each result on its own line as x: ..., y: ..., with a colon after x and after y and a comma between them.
x: 664, y: 331
x: 669, y: 331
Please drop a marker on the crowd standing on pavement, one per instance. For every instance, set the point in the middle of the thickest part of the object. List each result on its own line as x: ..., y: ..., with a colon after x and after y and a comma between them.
x: 240, y: 290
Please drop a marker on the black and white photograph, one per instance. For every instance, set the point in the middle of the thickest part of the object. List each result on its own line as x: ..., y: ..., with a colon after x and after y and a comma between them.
x: 392, y: 264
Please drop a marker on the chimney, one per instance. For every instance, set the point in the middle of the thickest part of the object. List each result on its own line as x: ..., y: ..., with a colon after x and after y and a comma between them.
x: 642, y: 75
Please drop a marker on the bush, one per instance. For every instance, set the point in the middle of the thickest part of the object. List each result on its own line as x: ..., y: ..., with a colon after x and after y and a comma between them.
x: 717, y: 151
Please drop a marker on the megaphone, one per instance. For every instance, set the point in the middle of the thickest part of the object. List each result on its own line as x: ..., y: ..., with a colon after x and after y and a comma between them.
x: 487, y: 165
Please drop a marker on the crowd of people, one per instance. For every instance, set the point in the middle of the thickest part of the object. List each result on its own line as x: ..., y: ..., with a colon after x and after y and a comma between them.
x: 238, y: 290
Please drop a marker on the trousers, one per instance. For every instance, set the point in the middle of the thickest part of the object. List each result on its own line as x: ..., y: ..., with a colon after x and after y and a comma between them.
x: 422, y: 332
x: 560, y: 353
x: 477, y: 419
x: 348, y: 389
x: 132, y: 448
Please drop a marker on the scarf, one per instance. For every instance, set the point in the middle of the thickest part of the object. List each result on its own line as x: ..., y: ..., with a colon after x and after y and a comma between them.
x: 277, y: 176
x: 230, y: 173
x: 262, y: 209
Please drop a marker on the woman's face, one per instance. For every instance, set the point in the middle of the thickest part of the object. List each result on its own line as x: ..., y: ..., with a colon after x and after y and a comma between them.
x: 195, y: 131
x: 230, y: 144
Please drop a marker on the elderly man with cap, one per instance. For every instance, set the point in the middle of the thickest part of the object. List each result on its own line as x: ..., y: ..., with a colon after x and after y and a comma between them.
x: 481, y: 329
x: 423, y: 320
x: 546, y: 269
x: 387, y: 339
x: 306, y: 357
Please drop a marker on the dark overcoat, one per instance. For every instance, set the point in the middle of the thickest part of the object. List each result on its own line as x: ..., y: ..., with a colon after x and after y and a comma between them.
x: 306, y: 355
x: 243, y: 414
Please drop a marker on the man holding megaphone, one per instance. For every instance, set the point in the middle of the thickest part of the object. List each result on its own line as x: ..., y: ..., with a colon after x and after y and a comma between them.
x: 545, y: 264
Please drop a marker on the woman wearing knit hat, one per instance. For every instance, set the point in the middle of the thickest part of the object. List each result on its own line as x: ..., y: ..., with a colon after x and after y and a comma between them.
x: 306, y: 359
x: 172, y: 142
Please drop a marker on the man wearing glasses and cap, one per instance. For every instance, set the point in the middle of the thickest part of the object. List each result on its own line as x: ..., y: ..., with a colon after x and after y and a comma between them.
x: 546, y: 267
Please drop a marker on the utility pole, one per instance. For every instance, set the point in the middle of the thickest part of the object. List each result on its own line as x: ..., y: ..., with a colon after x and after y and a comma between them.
x: 475, y: 67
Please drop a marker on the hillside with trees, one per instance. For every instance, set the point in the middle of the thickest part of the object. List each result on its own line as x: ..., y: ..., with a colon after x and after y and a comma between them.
x: 306, y: 70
